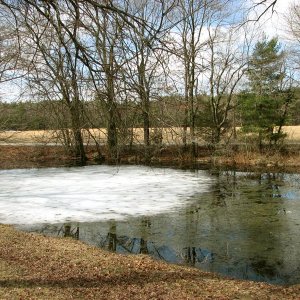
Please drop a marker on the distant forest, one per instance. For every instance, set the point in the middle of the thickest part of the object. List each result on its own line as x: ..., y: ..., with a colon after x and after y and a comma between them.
x: 165, y: 112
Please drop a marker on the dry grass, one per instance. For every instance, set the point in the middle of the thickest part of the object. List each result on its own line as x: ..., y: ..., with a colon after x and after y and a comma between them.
x: 170, y: 136
x: 253, y: 161
x: 37, y: 267
x: 293, y: 133
x: 19, y: 156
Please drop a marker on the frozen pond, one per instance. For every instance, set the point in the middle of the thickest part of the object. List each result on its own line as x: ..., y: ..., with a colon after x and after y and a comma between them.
x: 94, y: 193
x: 237, y: 224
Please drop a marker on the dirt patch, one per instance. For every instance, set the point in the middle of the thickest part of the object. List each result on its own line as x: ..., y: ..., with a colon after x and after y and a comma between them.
x: 33, y: 266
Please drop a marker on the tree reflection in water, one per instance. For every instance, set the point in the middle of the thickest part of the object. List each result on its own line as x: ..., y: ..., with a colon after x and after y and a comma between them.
x: 196, y: 256
x: 246, y: 226
x: 140, y: 245
x: 115, y: 243
x: 66, y: 230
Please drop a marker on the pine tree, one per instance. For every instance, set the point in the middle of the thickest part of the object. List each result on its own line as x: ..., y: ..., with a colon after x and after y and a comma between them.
x: 263, y: 106
x: 265, y: 71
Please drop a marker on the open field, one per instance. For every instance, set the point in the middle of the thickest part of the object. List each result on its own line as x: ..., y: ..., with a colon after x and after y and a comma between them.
x: 168, y: 136
x: 293, y: 133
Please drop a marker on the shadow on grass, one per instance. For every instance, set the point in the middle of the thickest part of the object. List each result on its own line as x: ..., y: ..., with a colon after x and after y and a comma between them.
x: 100, y: 281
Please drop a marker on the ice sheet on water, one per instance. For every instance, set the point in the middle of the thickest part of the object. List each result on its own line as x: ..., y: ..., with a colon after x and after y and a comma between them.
x: 94, y: 193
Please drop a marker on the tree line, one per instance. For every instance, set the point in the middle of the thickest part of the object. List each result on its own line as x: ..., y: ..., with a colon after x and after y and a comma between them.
x: 119, y: 64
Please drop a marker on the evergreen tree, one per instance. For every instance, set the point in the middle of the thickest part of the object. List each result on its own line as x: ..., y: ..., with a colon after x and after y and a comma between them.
x: 264, y: 105
x: 265, y: 71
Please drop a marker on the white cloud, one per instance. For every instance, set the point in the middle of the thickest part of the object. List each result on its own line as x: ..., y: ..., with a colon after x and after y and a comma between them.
x: 273, y: 21
x: 9, y: 91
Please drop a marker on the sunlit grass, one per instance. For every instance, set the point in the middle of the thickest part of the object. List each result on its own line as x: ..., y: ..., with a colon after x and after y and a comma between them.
x: 170, y: 136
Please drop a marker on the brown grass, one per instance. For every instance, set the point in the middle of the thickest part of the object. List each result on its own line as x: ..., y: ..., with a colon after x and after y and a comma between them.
x: 170, y: 136
x: 37, y: 267
x: 22, y: 156
x: 293, y: 133
x: 16, y: 156
x: 255, y: 161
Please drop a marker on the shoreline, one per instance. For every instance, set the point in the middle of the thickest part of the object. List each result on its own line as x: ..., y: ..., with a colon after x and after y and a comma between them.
x: 33, y: 266
x: 39, y: 156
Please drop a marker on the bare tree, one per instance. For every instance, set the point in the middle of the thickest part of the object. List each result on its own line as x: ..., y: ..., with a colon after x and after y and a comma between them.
x: 9, y: 47
x: 228, y: 59
x: 56, y: 68
x: 145, y: 60
x: 190, y: 46
x: 293, y: 33
x: 197, y: 17
x: 108, y: 50
x: 104, y: 62
x: 257, y: 9
x: 265, y: 5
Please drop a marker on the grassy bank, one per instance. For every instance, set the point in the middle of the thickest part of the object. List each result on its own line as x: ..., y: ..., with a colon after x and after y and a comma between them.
x: 29, y: 156
x: 33, y: 266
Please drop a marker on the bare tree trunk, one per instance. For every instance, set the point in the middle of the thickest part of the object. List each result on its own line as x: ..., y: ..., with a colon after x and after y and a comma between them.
x: 194, y: 15
x: 112, y: 134
x: 143, y: 92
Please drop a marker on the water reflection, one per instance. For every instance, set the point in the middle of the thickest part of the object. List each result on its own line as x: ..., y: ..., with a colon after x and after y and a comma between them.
x: 245, y: 226
x: 66, y: 230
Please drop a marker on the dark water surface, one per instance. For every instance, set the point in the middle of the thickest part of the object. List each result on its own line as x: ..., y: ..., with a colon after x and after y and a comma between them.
x: 243, y: 225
